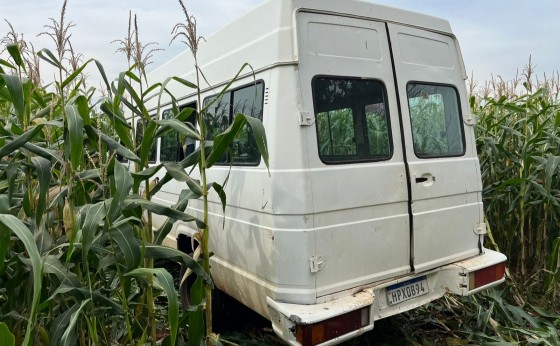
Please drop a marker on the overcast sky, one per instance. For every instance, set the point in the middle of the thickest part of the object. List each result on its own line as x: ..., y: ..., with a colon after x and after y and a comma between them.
x: 496, y: 36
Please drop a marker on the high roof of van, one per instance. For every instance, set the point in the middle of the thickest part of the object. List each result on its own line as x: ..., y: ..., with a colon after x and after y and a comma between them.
x: 265, y: 36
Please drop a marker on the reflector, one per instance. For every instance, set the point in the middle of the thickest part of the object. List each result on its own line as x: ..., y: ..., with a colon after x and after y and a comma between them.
x: 487, y: 275
x: 314, y: 334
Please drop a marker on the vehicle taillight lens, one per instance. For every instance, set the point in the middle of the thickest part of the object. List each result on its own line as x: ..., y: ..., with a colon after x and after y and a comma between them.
x: 487, y: 275
x: 314, y: 334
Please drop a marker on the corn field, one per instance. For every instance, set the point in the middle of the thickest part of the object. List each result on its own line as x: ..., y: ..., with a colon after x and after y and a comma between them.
x: 518, y: 140
x: 79, y: 260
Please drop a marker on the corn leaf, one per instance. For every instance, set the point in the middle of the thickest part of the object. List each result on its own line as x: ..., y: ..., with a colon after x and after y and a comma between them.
x: 43, y: 170
x: 67, y: 338
x: 165, y: 280
x: 6, y: 337
x: 15, y: 53
x: 76, y: 135
x: 128, y: 244
x: 60, y: 325
x: 11, y: 223
x: 178, y: 173
x: 15, y: 90
x: 122, y: 181
x: 181, y: 205
x: 164, y: 252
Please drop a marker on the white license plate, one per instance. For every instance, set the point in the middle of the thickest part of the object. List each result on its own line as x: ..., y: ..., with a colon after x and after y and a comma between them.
x: 407, y: 290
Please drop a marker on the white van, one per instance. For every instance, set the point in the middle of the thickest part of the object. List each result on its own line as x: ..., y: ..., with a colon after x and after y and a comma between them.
x: 373, y: 203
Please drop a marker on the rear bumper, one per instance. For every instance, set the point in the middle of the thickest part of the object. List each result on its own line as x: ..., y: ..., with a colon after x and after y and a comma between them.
x: 455, y: 278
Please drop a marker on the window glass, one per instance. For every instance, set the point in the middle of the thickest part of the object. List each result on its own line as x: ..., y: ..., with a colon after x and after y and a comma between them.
x: 246, y: 100
x: 351, y: 119
x: 437, y: 129
x: 176, y: 146
x: 121, y: 158
x: 139, y: 137
x: 217, y: 116
x: 169, y: 142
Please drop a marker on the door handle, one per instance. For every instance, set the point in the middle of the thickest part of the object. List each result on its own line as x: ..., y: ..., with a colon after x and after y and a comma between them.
x: 426, y: 178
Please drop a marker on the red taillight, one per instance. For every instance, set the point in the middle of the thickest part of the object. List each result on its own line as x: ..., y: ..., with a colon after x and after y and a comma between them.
x: 487, y: 275
x: 314, y: 334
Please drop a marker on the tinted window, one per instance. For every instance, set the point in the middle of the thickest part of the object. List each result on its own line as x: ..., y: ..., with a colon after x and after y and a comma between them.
x: 169, y: 142
x: 176, y: 146
x: 437, y: 129
x: 351, y: 120
x: 246, y: 100
x: 139, y: 137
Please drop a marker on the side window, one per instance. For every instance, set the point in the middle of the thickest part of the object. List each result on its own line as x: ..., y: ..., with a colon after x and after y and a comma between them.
x: 169, y: 142
x: 139, y: 137
x: 352, y: 120
x: 121, y: 158
x: 175, y: 147
x: 437, y: 129
x: 247, y: 100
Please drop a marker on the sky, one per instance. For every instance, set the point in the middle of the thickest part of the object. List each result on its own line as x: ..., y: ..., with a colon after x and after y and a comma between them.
x: 496, y: 36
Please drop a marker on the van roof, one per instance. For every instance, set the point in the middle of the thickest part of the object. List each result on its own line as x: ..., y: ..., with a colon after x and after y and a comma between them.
x: 265, y: 36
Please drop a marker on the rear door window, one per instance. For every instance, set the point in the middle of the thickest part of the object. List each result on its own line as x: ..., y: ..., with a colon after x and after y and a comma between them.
x: 352, y: 120
x: 436, y: 120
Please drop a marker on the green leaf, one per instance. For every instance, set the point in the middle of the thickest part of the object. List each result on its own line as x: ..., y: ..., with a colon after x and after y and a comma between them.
x: 60, y: 325
x: 15, y: 53
x: 82, y: 103
x: 52, y: 265
x: 43, y: 169
x: 164, y: 252
x: 7, y: 64
x: 76, y: 135
x: 6, y: 337
x: 103, y: 76
x: 147, y: 173
x: 222, y: 141
x: 181, y: 205
x: 220, y: 191
x: 4, y: 233
x: 120, y: 125
x: 49, y: 57
x: 46, y: 153
x: 73, y: 76
x: 128, y: 244
x: 15, y: 89
x: 178, y: 126
x: 148, y: 141
x: 122, y: 181
x: 11, y: 223
x: 67, y: 340
x: 178, y: 173
x: 259, y: 135
x: 196, y: 318
x: 165, y: 280
x: 551, y: 170
x: 17, y: 143
x: 159, y: 209
x: 92, y: 216
x: 111, y: 144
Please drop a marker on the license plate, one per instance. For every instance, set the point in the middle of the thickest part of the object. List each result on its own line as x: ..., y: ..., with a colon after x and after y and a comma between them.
x: 407, y: 290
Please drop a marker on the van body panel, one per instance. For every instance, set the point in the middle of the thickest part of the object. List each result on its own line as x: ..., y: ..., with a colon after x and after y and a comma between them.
x: 369, y: 213
x: 445, y: 186
x: 373, y: 179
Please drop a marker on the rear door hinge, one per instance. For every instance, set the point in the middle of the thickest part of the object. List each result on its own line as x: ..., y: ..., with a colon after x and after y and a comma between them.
x: 306, y: 119
x: 316, y: 263
x: 480, y: 228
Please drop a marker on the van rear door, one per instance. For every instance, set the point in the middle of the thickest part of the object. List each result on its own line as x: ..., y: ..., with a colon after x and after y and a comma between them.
x: 356, y: 167
x: 440, y: 151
